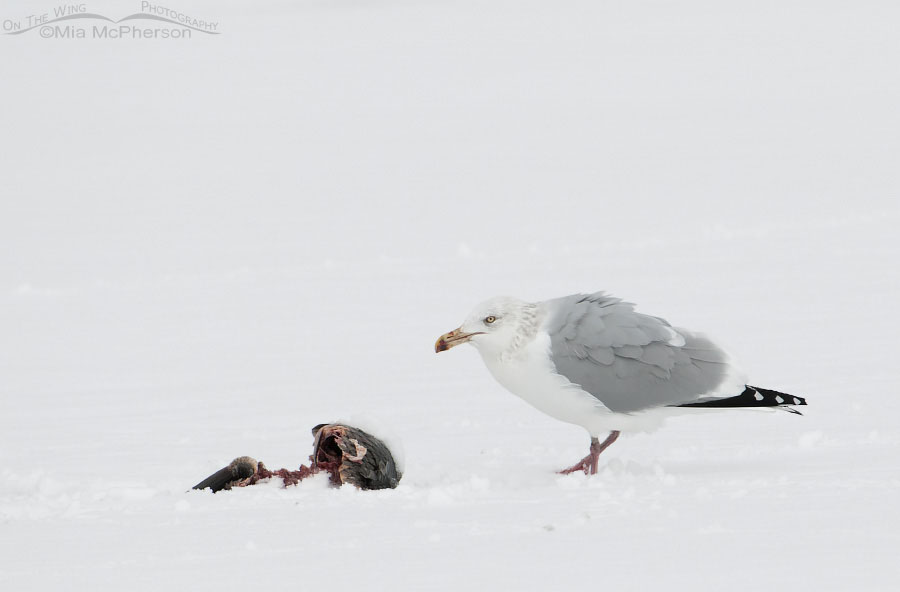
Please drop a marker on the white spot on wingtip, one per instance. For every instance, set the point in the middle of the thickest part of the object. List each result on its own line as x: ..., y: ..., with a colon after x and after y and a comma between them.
x: 779, y: 400
x: 758, y: 397
x: 796, y: 401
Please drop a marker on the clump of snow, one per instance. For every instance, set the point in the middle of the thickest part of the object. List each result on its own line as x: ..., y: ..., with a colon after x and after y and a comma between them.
x: 810, y: 440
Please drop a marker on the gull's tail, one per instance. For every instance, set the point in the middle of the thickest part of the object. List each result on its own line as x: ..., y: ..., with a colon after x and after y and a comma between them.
x: 754, y: 396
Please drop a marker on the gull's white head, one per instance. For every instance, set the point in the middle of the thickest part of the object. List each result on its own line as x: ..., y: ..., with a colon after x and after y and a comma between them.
x: 493, y: 326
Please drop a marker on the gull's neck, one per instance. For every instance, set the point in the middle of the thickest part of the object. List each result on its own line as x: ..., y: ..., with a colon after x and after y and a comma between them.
x: 525, y: 331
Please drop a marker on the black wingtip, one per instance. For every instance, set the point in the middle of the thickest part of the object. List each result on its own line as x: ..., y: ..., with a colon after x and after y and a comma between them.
x: 770, y: 395
x: 754, y: 396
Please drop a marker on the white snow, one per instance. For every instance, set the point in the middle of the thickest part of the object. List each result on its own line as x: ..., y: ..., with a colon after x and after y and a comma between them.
x: 209, y: 246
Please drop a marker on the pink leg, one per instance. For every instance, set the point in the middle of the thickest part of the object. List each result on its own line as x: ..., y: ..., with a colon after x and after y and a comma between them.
x: 589, y: 463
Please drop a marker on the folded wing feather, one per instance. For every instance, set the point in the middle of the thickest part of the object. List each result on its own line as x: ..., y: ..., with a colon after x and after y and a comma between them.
x: 628, y: 360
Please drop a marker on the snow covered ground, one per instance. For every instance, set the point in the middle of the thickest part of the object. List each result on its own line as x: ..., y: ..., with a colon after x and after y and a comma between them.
x: 208, y: 246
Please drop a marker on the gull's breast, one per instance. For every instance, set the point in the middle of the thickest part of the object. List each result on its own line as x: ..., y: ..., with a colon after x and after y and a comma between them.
x: 530, y: 375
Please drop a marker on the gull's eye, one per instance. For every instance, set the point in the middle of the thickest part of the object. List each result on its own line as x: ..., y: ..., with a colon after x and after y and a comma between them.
x: 489, y: 320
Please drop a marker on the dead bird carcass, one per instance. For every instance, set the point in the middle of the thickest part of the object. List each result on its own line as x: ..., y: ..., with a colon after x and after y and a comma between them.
x: 348, y: 454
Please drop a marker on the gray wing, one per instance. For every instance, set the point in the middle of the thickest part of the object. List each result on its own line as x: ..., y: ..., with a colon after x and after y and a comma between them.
x: 630, y: 361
